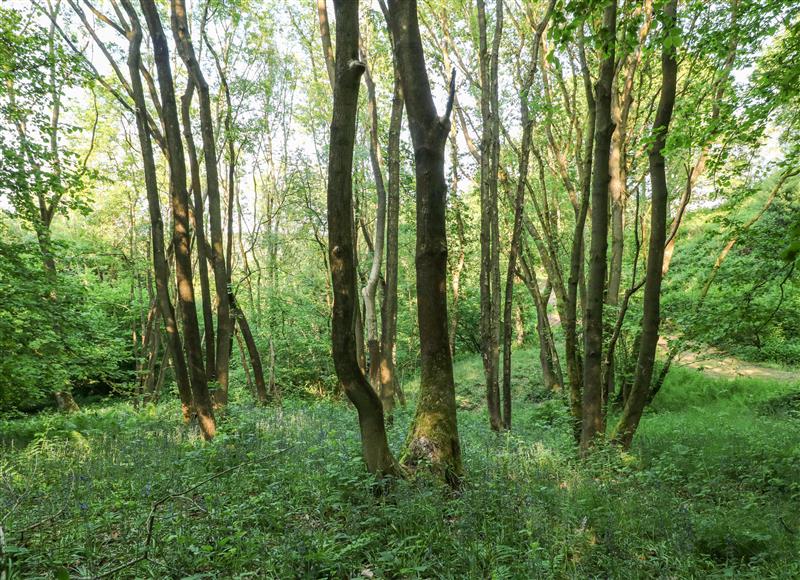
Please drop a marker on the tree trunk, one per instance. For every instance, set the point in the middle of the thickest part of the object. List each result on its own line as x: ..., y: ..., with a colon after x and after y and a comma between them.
x: 252, y: 351
x: 575, y: 283
x: 389, y: 307
x: 434, y: 433
x: 637, y: 398
x: 65, y: 402
x: 199, y: 230
x: 160, y: 266
x: 490, y: 236
x: 183, y: 41
x: 245, y: 366
x: 519, y: 205
x: 325, y: 35
x: 181, y: 228
x: 458, y: 269
x: 592, y: 412
x: 370, y: 290
x: 374, y: 445
x: 551, y: 369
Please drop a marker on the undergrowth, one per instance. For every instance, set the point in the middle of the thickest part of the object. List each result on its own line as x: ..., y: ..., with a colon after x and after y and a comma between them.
x: 711, y: 489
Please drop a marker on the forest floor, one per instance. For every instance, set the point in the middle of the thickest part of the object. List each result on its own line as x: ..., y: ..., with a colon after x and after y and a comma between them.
x: 710, y: 490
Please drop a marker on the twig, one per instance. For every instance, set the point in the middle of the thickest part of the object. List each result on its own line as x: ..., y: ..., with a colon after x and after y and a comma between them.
x: 159, y: 502
x: 40, y: 522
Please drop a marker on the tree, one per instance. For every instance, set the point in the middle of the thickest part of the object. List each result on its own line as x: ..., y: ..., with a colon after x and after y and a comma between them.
x: 592, y: 412
x: 434, y: 432
x: 183, y: 41
x: 490, y: 229
x: 181, y: 237
x: 341, y: 243
x: 651, y: 317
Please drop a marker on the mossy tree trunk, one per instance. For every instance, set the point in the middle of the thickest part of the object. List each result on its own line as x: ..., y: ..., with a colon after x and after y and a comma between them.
x: 434, y: 437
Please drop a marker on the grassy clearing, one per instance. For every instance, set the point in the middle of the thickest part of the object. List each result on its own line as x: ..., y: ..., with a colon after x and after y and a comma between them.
x: 712, y: 489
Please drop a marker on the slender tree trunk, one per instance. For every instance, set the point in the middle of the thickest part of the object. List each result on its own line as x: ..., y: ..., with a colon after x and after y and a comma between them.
x: 551, y: 369
x: 434, y: 433
x: 675, y: 347
x: 458, y: 268
x: 252, y: 351
x: 389, y: 307
x: 245, y: 366
x: 592, y: 413
x: 199, y: 230
x: 575, y: 285
x: 519, y: 205
x: 181, y: 228
x: 508, y: 321
x: 325, y: 35
x: 375, y: 447
x: 617, y: 192
x: 160, y: 266
x: 651, y: 316
x: 490, y: 237
x: 183, y: 41
x: 370, y: 290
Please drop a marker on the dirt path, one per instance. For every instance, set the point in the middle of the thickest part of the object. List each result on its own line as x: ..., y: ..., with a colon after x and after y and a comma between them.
x: 719, y: 364
x: 712, y: 361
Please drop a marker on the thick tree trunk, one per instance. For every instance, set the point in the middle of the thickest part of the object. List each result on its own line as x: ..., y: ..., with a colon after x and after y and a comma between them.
x: 375, y: 447
x: 434, y: 433
x: 183, y: 41
x: 637, y: 398
x: 181, y: 227
x: 160, y: 266
x: 592, y: 423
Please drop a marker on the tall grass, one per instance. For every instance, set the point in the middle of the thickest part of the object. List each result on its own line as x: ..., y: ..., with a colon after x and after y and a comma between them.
x: 711, y: 489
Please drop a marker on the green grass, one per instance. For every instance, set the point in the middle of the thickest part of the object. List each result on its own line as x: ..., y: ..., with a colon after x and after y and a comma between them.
x: 711, y: 489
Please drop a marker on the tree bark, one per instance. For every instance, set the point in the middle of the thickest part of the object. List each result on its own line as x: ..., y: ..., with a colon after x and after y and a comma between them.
x: 637, y: 398
x: 181, y: 229
x: 592, y: 412
x: 389, y: 306
x: 160, y: 266
x: 519, y: 204
x: 199, y: 231
x: 325, y: 35
x: 183, y: 41
x: 552, y: 378
x: 370, y: 290
x: 490, y: 235
x: 374, y: 445
x: 434, y: 433
x: 576, y: 270
x: 458, y: 268
x: 252, y: 351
